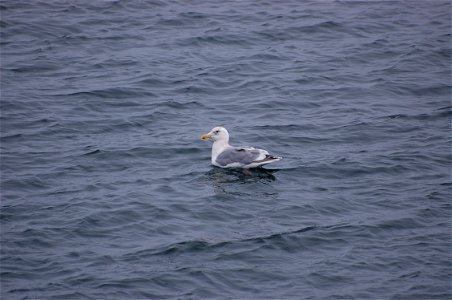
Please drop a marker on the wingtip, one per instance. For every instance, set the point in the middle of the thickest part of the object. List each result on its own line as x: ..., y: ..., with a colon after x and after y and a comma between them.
x: 274, y: 157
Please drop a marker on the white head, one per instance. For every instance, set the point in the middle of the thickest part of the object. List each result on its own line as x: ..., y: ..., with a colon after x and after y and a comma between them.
x: 217, y: 134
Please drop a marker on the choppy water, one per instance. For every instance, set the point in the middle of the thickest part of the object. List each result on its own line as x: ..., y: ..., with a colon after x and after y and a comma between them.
x: 108, y: 193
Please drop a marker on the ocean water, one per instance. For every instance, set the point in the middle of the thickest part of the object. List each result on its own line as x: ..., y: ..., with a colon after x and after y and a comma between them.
x: 107, y: 191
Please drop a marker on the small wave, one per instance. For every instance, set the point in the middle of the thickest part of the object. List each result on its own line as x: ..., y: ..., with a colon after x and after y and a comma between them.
x: 438, y: 113
x: 142, y: 152
x: 27, y: 183
x: 115, y: 93
x: 92, y: 152
x: 200, y: 245
x: 223, y: 39
x: 12, y: 136
x: 288, y: 127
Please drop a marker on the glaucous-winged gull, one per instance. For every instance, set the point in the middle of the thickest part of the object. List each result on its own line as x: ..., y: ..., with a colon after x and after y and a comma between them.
x: 227, y: 156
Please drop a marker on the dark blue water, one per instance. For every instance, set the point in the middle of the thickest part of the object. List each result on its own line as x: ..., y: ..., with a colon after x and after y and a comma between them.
x: 107, y: 192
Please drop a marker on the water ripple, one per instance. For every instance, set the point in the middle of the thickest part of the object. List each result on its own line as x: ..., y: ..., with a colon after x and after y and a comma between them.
x: 107, y: 191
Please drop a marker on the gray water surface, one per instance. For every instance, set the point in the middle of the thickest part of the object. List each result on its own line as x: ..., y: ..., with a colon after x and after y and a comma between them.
x: 107, y: 192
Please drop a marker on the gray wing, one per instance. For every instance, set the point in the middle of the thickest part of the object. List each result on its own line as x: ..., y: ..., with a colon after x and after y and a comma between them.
x: 237, y: 155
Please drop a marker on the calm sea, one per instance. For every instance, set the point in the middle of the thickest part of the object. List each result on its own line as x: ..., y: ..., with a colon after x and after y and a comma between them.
x: 107, y: 191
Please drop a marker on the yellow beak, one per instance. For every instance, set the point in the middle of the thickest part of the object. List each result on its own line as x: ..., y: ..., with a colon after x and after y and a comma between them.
x: 205, y: 136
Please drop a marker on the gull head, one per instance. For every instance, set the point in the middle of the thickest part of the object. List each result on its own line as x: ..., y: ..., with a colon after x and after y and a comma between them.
x: 217, y: 134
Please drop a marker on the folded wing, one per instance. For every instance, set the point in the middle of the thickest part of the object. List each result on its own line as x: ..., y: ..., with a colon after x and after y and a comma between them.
x: 240, y: 156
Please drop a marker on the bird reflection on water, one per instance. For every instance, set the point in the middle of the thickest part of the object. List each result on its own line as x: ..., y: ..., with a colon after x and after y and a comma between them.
x: 234, y: 182
x: 220, y: 177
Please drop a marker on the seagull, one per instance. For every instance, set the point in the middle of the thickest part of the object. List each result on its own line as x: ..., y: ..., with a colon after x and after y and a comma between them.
x: 227, y: 156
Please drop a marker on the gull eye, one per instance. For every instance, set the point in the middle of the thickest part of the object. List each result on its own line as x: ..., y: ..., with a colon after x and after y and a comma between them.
x: 217, y: 131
